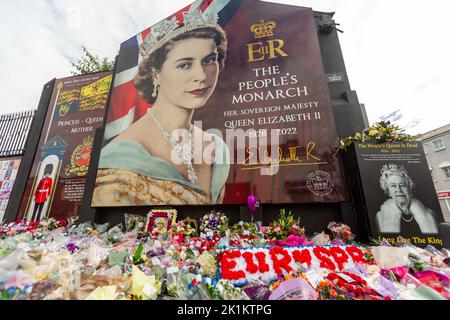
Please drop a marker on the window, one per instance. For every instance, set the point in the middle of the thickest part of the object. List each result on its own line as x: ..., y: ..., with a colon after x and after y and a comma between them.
x: 433, y: 176
x: 446, y: 172
x: 438, y: 144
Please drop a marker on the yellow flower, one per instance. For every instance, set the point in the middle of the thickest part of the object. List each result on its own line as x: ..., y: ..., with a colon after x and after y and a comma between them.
x: 383, y: 129
x: 373, y: 133
x: 40, y: 277
x: 358, y: 135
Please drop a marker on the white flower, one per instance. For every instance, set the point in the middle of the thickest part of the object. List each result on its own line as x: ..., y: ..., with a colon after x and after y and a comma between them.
x: 183, y: 255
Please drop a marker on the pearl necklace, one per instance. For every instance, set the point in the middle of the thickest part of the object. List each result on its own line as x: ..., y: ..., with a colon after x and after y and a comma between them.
x: 185, y: 151
x: 403, y: 213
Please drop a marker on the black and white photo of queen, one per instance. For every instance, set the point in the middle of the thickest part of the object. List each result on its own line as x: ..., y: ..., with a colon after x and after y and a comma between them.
x: 402, y: 211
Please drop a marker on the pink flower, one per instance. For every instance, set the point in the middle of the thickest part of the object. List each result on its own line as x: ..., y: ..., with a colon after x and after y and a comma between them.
x: 263, y: 229
x: 295, y: 226
x: 277, y: 229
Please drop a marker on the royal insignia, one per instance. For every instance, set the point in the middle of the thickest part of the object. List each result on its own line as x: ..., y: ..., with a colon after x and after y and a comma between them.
x: 80, y: 159
x: 263, y: 29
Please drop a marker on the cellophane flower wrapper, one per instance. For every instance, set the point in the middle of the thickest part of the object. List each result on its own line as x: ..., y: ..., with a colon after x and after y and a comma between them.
x: 321, y: 239
x: 199, y: 292
x: 294, y: 289
x: 15, y: 261
x: 177, y: 284
x: 144, y: 287
x: 229, y: 292
x: 390, y: 257
x: 383, y: 286
x: 437, y: 281
x: 95, y: 255
x: 103, y: 293
x: 134, y: 223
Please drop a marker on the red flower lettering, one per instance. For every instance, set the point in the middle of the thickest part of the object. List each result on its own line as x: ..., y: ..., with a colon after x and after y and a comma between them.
x: 303, y: 256
x: 263, y: 266
x: 321, y: 253
x: 251, y: 266
x: 228, y: 263
x: 339, y: 256
x: 356, y: 253
x: 280, y: 263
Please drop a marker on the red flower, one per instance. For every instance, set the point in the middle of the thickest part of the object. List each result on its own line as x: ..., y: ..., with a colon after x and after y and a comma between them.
x: 333, y: 293
x: 63, y: 222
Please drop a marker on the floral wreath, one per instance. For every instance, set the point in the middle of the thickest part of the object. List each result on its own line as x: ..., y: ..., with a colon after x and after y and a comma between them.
x: 379, y: 132
x: 215, y: 222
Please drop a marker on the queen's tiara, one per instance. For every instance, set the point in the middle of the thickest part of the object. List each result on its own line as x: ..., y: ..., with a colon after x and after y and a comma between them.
x: 169, y: 29
x: 387, y: 168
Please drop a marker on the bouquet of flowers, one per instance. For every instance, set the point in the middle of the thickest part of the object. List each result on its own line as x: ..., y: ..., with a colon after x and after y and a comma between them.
x: 246, y: 230
x: 353, y: 286
x: 181, y: 227
x: 341, y: 231
x: 214, y: 223
x: 283, y: 227
x: 329, y: 291
x: 379, y: 132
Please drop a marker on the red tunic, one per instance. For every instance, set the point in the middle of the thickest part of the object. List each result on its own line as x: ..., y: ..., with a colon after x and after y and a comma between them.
x: 43, y: 190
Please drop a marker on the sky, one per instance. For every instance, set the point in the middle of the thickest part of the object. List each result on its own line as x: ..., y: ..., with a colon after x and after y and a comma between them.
x: 396, y: 52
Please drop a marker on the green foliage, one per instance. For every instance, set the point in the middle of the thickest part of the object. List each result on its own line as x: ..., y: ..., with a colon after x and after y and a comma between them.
x: 90, y: 63
x: 137, y: 254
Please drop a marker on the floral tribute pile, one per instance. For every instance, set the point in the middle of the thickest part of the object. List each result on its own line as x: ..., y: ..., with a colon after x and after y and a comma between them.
x: 211, y: 259
x: 380, y: 132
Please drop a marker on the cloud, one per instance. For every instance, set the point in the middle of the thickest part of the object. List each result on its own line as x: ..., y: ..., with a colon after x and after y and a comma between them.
x: 393, y: 116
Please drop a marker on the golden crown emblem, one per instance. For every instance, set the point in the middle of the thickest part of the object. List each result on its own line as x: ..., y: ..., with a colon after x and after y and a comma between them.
x: 263, y: 29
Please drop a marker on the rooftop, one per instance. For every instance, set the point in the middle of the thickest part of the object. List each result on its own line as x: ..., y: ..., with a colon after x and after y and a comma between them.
x: 433, y: 133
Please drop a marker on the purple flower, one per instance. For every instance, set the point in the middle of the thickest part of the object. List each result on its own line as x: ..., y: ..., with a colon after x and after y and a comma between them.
x: 156, y: 253
x: 72, y: 247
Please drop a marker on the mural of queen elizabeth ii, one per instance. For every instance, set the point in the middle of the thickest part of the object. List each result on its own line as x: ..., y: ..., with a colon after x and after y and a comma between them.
x: 149, y: 163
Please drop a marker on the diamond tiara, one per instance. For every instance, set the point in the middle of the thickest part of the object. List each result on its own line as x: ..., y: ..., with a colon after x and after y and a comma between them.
x: 169, y: 29
x: 393, y: 167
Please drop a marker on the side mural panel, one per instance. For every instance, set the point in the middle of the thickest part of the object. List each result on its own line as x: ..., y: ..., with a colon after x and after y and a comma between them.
x: 56, y: 184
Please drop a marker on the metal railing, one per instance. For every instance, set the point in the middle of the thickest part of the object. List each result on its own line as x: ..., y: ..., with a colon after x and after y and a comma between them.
x: 14, y: 129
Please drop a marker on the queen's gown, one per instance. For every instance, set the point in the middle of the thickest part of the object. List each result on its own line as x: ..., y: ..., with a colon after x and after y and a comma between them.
x: 128, y: 175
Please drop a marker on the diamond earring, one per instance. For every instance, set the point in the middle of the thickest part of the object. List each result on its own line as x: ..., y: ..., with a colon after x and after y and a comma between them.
x: 155, y: 91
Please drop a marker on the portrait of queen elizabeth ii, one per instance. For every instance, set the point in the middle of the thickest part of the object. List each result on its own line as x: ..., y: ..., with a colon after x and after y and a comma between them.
x: 402, y: 210
x: 152, y: 162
